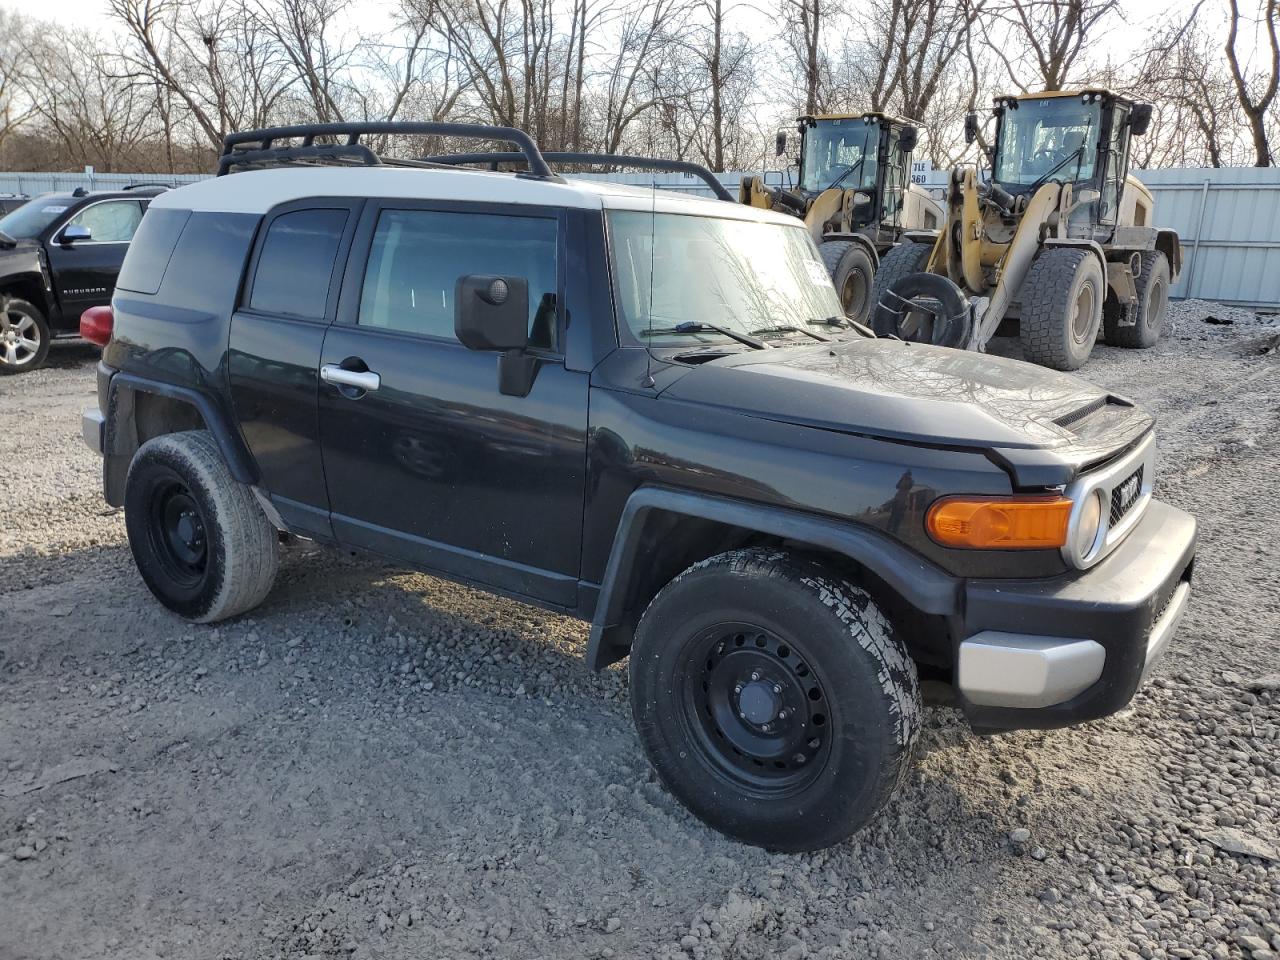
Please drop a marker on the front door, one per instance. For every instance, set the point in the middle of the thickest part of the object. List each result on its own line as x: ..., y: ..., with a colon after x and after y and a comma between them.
x: 428, y: 461
x: 84, y: 272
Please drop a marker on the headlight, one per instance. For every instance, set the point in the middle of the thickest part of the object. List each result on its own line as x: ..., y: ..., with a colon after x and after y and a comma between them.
x: 1085, y: 541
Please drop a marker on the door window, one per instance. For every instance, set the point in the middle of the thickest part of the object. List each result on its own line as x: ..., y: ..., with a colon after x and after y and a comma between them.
x: 417, y: 257
x: 295, y: 266
x: 113, y: 221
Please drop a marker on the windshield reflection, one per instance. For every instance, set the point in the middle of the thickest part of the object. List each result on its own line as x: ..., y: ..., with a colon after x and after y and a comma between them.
x: 673, y: 269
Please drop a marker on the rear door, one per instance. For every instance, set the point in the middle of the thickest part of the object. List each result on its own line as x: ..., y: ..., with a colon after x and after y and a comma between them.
x: 289, y: 297
x: 431, y: 463
x: 84, y: 272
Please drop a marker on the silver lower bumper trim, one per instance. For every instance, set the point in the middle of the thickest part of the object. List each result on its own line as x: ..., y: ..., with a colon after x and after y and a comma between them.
x: 91, y: 428
x: 1021, y: 670
x: 1166, y: 626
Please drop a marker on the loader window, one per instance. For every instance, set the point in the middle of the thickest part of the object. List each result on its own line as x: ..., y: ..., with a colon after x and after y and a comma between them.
x: 1055, y: 138
x: 843, y: 150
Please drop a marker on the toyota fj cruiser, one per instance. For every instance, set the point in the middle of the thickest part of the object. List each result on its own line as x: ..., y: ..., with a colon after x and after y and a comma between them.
x: 59, y: 255
x: 647, y: 411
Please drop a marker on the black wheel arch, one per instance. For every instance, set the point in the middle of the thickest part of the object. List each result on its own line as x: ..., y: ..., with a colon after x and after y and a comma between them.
x: 29, y: 286
x: 139, y: 408
x: 662, y: 532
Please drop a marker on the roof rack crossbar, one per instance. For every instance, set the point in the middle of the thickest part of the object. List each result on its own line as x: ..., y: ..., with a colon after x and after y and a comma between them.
x: 256, y: 146
x: 594, y: 159
x: 322, y: 151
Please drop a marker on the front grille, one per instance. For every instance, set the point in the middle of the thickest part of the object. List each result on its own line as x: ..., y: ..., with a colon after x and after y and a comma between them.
x: 1125, y: 494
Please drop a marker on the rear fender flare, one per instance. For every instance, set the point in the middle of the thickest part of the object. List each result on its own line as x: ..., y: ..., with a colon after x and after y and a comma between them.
x: 121, y: 439
x: 922, y: 584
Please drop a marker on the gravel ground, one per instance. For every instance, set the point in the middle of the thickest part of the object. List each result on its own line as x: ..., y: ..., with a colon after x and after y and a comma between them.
x: 380, y: 764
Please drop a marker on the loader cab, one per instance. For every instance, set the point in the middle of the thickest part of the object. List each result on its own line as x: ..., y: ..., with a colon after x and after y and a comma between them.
x: 868, y: 153
x: 1078, y: 137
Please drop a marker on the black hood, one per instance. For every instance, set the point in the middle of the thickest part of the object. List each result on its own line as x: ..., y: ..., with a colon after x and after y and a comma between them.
x: 922, y: 394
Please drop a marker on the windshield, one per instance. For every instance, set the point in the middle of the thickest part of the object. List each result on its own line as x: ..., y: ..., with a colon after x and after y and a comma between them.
x: 833, y: 148
x: 32, y: 217
x: 1038, y: 136
x: 744, y: 275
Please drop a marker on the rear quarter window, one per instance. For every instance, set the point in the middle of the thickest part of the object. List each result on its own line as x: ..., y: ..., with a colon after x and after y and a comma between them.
x: 295, y: 267
x: 151, y: 250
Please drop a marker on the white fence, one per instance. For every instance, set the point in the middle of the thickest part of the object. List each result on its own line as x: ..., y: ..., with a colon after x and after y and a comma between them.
x: 1228, y: 219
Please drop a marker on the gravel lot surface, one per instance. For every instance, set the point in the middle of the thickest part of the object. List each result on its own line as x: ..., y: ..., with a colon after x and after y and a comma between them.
x: 380, y: 764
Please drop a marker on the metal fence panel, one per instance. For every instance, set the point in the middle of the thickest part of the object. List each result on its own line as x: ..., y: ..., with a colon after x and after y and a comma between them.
x: 1228, y: 219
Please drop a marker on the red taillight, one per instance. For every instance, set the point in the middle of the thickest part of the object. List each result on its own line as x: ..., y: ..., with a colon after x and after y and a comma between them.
x: 96, y: 324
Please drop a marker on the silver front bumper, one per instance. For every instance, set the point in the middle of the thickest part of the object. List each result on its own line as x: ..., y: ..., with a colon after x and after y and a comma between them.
x: 93, y: 429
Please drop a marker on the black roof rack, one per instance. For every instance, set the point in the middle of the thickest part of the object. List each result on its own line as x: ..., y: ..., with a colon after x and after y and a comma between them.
x: 593, y: 159
x: 256, y: 148
x: 158, y: 187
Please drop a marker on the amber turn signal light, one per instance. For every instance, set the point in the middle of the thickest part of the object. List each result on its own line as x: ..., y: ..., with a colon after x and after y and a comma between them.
x: 1000, y: 523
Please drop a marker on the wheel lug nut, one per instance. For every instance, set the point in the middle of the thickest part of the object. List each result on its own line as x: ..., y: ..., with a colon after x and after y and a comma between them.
x: 755, y: 675
x: 737, y: 688
x: 766, y: 727
x: 782, y: 714
x: 777, y: 688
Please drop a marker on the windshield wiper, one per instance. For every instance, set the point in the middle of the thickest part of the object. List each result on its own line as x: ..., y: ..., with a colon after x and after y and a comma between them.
x: 1077, y: 152
x: 694, y: 326
x: 790, y: 328
x: 838, y: 321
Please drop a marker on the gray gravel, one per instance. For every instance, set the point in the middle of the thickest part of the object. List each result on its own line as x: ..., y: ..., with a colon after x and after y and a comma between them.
x: 379, y: 764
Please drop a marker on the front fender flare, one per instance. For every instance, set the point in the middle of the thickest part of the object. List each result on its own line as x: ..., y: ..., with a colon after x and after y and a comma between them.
x: 921, y: 583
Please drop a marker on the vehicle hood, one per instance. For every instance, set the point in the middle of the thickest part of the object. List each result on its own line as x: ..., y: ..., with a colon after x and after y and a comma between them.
x: 923, y: 394
x: 11, y: 249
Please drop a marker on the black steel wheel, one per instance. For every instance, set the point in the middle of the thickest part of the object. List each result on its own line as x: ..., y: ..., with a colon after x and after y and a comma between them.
x: 772, y: 699
x: 176, y: 529
x: 760, y: 710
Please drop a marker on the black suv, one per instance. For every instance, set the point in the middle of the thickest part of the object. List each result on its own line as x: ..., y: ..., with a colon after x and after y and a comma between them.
x: 647, y: 411
x: 59, y: 255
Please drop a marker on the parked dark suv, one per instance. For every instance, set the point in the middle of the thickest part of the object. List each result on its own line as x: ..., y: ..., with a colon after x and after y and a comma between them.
x: 59, y: 255
x: 647, y: 411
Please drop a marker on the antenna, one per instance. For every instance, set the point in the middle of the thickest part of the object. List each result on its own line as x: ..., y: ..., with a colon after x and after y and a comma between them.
x: 653, y: 242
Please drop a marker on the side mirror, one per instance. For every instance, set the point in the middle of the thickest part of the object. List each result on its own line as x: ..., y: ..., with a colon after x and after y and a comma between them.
x: 492, y: 313
x: 780, y: 143
x: 970, y: 128
x: 908, y: 139
x: 73, y: 233
x: 1140, y: 119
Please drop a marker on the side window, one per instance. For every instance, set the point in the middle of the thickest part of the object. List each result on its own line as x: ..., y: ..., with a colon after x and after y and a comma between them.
x: 113, y: 221
x: 417, y: 256
x: 296, y: 263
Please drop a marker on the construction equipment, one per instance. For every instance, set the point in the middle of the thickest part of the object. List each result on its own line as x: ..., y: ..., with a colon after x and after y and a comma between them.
x: 1060, y: 239
x: 854, y: 192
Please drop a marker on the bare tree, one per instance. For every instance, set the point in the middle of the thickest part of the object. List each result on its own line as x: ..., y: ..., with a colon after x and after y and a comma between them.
x: 1255, y: 102
x: 1051, y: 35
x: 805, y: 21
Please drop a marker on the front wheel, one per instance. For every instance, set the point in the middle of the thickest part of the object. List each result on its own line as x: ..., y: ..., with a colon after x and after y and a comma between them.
x: 24, y: 336
x: 853, y: 275
x: 200, y: 540
x: 773, y: 699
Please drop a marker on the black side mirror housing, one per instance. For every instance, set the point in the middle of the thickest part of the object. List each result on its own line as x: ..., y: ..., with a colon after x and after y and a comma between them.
x: 780, y: 143
x: 1140, y: 119
x: 970, y: 128
x: 491, y: 313
x: 908, y: 139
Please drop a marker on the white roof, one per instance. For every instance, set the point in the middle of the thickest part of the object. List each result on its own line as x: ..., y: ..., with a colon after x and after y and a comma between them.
x: 257, y: 191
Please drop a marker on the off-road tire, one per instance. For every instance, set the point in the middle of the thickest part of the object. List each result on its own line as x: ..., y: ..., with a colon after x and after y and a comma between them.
x: 1153, y: 299
x: 853, y: 275
x: 185, y: 473
x: 795, y: 622
x: 903, y: 260
x: 1051, y: 296
x: 14, y: 309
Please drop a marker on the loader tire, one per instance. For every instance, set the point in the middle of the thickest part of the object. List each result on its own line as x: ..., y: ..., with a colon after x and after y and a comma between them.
x: 853, y: 275
x: 1153, y: 299
x: 1061, y: 308
x: 901, y: 261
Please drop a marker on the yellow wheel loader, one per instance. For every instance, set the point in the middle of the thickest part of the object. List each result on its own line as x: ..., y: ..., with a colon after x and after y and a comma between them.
x: 1060, y: 240
x: 855, y: 194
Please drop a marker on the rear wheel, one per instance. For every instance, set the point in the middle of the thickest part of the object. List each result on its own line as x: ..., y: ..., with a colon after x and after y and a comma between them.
x: 199, y: 538
x: 1061, y: 307
x: 1153, y: 300
x: 773, y: 699
x: 24, y: 336
x: 901, y: 261
x: 853, y: 275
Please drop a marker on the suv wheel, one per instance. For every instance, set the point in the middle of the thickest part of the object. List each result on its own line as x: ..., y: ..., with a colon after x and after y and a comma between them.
x: 24, y: 336
x: 200, y: 540
x: 773, y: 699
